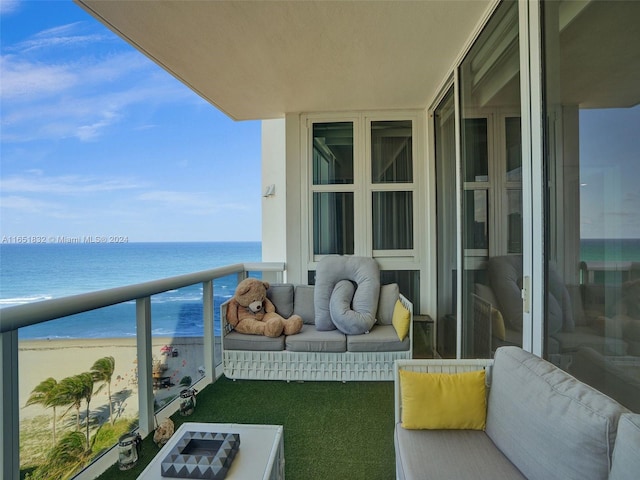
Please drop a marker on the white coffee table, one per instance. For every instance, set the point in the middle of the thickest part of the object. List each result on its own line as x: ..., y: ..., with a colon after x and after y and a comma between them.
x: 260, y: 456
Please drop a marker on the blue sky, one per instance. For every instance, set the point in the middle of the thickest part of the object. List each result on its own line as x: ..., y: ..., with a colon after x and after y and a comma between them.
x: 98, y: 140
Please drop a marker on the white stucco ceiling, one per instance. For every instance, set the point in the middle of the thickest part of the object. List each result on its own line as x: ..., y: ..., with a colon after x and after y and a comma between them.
x: 262, y: 59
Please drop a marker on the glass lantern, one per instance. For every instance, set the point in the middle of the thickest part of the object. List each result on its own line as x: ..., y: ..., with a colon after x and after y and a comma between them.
x: 187, y: 401
x: 128, y: 450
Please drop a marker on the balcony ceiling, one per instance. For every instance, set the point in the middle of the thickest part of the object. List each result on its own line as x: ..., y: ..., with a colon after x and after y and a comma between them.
x: 259, y: 60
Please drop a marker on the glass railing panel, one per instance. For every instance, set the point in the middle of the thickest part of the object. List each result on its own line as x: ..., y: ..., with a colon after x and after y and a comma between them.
x: 177, y: 330
x: 68, y: 369
x: 223, y: 290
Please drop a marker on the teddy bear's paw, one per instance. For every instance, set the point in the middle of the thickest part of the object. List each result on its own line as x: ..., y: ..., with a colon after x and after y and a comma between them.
x: 293, y: 325
x: 273, y: 327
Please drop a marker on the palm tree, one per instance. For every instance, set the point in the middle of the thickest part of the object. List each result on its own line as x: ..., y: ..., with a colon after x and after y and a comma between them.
x: 64, y: 459
x: 102, y: 371
x: 73, y: 390
x: 45, y: 394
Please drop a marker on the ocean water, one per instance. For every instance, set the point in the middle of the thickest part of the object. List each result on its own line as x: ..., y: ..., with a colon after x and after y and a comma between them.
x: 35, y: 272
x: 611, y: 250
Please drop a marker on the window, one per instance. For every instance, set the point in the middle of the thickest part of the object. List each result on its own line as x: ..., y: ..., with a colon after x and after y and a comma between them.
x: 362, y: 189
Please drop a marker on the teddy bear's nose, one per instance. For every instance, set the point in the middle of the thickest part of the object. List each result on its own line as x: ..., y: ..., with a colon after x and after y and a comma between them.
x: 255, y: 307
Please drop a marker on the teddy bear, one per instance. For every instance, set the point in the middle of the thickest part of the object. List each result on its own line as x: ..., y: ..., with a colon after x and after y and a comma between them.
x: 250, y: 311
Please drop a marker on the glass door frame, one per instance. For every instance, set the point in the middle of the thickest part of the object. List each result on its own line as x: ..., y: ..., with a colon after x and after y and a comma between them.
x: 533, y: 176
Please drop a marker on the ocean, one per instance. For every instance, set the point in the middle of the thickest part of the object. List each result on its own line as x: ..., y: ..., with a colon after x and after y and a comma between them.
x: 598, y: 250
x: 35, y: 272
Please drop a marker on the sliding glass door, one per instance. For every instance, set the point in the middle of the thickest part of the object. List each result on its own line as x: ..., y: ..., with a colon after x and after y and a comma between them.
x: 491, y: 185
x: 592, y: 216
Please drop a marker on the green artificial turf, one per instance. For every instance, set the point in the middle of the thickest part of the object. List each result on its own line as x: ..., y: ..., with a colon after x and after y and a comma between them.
x: 332, y: 430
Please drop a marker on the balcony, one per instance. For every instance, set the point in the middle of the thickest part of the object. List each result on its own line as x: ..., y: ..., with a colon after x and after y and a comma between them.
x: 151, y: 366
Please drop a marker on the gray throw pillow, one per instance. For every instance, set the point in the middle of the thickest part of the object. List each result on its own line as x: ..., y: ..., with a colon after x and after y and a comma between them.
x: 303, y: 303
x: 281, y: 295
x: 389, y: 295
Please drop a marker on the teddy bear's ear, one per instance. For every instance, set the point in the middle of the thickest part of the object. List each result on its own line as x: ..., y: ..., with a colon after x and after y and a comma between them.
x: 266, y: 285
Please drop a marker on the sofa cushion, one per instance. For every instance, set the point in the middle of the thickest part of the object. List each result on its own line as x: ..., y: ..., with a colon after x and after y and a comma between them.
x: 381, y: 338
x: 241, y: 341
x: 364, y: 271
x: 505, y: 276
x: 546, y: 422
x: 303, y: 303
x: 626, y: 453
x: 498, y: 328
x: 579, y: 315
x: 588, y: 337
x: 389, y: 294
x: 311, y: 340
x: 454, y: 454
x: 281, y: 295
x: 456, y: 401
x: 559, y: 293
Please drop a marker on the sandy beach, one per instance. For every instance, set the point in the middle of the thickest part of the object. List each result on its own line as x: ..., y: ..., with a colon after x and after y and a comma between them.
x: 40, y: 359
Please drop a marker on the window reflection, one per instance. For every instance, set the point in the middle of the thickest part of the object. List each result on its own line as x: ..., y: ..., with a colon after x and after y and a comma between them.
x: 391, y: 152
x: 333, y: 153
x: 592, y: 88
x: 476, y: 208
x: 392, y: 217
x: 333, y: 223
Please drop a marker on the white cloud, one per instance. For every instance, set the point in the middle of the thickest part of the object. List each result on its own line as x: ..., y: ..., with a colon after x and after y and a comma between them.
x: 195, y: 203
x: 16, y: 202
x: 41, y: 208
x: 27, y: 80
x: 77, y: 95
x: 64, y: 184
x: 8, y: 7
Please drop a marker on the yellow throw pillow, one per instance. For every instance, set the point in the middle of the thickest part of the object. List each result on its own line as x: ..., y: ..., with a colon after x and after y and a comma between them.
x: 401, y: 319
x: 497, y: 324
x: 443, y: 401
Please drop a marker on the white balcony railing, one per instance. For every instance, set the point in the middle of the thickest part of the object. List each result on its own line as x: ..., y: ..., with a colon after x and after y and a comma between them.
x: 14, y: 318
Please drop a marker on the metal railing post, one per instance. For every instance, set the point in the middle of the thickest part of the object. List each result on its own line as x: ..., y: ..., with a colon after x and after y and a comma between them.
x: 209, y: 331
x: 9, y: 406
x: 145, y: 365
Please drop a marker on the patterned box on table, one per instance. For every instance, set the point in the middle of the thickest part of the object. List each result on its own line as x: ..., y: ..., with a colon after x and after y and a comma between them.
x: 201, y: 455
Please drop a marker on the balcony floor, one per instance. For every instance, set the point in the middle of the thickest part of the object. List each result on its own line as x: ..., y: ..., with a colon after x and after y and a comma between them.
x: 331, y: 429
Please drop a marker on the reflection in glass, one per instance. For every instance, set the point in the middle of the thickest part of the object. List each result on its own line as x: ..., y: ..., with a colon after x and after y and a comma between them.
x: 333, y: 223
x: 514, y: 221
x: 333, y: 153
x: 392, y: 217
x: 391, y: 154
x: 513, y: 138
x: 489, y: 87
x: 476, y: 233
x: 592, y: 217
x: 446, y: 231
x: 476, y: 153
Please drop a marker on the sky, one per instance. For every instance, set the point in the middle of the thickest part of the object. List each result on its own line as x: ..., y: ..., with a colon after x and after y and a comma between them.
x: 97, y: 140
x: 610, y: 172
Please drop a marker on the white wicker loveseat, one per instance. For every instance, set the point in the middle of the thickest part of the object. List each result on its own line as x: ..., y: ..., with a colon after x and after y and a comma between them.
x: 313, y: 354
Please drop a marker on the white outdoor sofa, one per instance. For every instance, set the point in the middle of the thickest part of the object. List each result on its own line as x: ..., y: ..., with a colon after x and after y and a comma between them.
x: 541, y: 423
x: 312, y: 354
